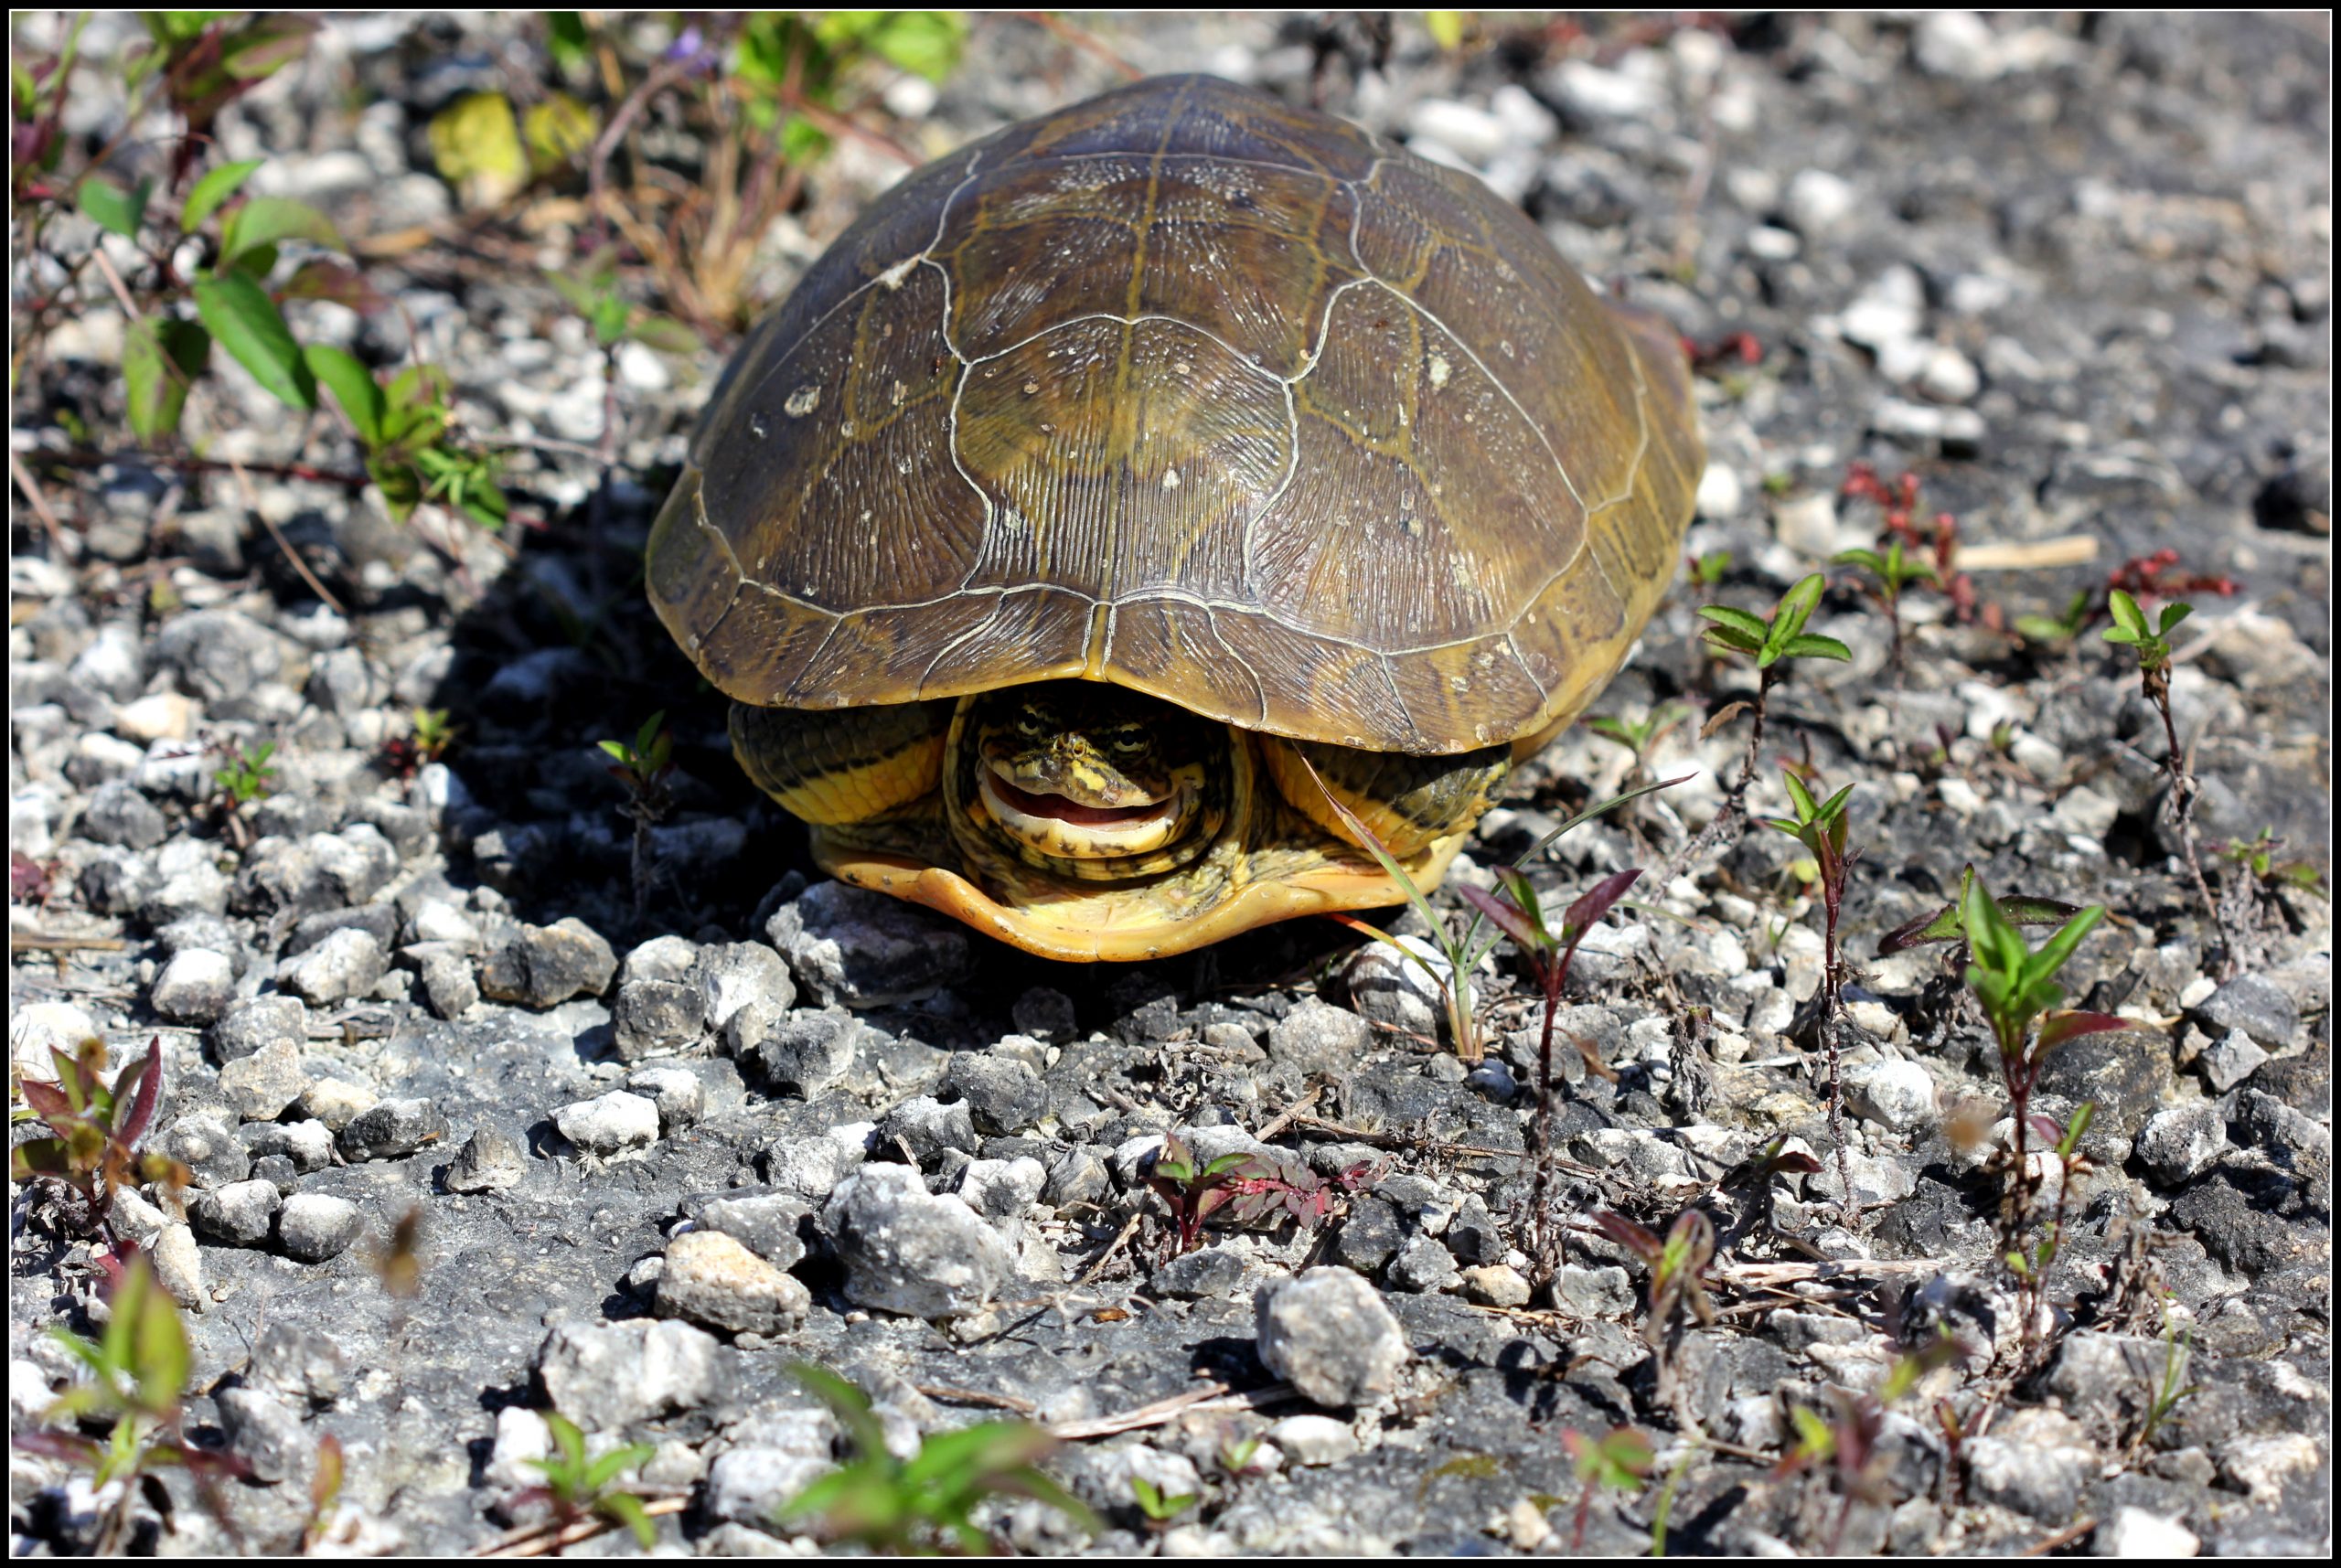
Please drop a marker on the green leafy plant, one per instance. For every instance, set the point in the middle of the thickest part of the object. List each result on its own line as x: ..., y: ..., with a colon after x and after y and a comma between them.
x: 1677, y: 1265
x: 2060, y: 631
x: 1708, y: 570
x: 2151, y: 643
x: 2258, y: 856
x: 643, y: 766
x: 1638, y: 735
x: 1848, y: 1446
x: 1191, y: 1191
x: 239, y: 786
x: 1820, y: 827
x: 1549, y: 954
x: 94, y: 1130
x: 2020, y: 997
x: 1160, y: 1510
x: 1772, y: 642
x: 137, y: 1376
x: 403, y: 427
x: 2170, y: 1387
x: 1618, y: 1461
x: 925, y: 1502
x: 1461, y: 946
x: 580, y: 1486
x: 1894, y: 572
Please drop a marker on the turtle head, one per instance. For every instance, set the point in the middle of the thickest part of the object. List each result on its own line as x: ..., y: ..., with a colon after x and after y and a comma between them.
x: 1080, y: 772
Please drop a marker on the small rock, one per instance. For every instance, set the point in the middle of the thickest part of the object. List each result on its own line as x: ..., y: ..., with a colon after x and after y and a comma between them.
x: 491, y: 1160
x: 908, y: 1251
x: 262, y: 1085
x: 393, y: 1129
x: 195, y: 986
x: 2233, y: 1057
x: 747, y: 1484
x: 1003, y: 1094
x: 654, y: 1015
x: 1369, y: 1237
x: 926, y: 1127
x: 204, y: 1145
x: 812, y: 1167
x: 677, y: 1093
x: 1421, y: 1266
x: 613, y: 1122
x: 336, y: 1102
x: 714, y: 1281
x: 547, y: 964
x: 730, y: 974
x: 2035, y: 1462
x: 449, y: 985
x: 1895, y: 1094
x: 306, y: 1145
x: 253, y: 1026
x: 118, y: 813
x: 345, y: 964
x: 1312, y: 1439
x: 608, y: 1377
x: 179, y: 1267
x: 2257, y: 1007
x: 2134, y: 1532
x: 1391, y: 991
x: 239, y: 1213
x: 2179, y: 1144
x: 1317, y: 1037
x: 1818, y: 201
x: 1195, y: 1276
x: 302, y: 1364
x: 1496, y: 1285
x: 857, y: 948
x: 1957, y: 44
x: 805, y: 1051
x: 266, y: 1434
x: 1328, y: 1333
x: 1003, y: 1188
x: 769, y: 1224
x: 1046, y: 1014
x: 1604, y: 1292
x: 315, y: 1226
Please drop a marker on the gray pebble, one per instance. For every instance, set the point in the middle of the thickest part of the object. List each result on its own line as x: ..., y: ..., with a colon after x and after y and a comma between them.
x: 2255, y: 1005
x: 308, y: 1143
x: 239, y: 1213
x: 345, y: 964
x: 908, y: 1251
x: 1329, y: 1334
x: 1004, y: 1095
x: 850, y: 945
x: 262, y: 1085
x: 315, y: 1226
x: 393, y: 1129
x: 195, y: 986
x: 1422, y: 1266
x: 1317, y: 1037
x: 606, y: 1377
x: 547, y: 964
x: 677, y: 1093
x: 266, y: 1434
x: 204, y: 1145
x: 249, y: 1026
x: 611, y: 1124
x: 926, y: 1127
x: 2179, y: 1144
x: 491, y: 1160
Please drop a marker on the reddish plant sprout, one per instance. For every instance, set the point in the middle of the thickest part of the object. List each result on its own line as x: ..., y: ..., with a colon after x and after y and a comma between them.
x: 1898, y: 505
x: 1743, y: 348
x: 2159, y: 576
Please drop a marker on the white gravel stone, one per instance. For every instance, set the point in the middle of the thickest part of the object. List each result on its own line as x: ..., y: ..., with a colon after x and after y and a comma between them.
x: 345, y: 965
x: 1329, y: 1334
x: 613, y: 1122
x: 1895, y: 1094
x: 1314, y: 1439
x: 2134, y: 1532
x: 1818, y: 201
x: 195, y: 986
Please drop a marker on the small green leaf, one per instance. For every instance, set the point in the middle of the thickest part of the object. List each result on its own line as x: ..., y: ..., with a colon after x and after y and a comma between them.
x: 2171, y: 615
x: 1740, y: 620
x: 565, y: 40
x: 2126, y: 613
x: 1807, y: 646
x: 1795, y: 609
x: 161, y: 357
x: 269, y: 220
x: 113, y: 209
x: 249, y: 328
x: 215, y: 187
x: 628, y: 1509
x: 352, y: 386
x: 665, y: 335
x: 925, y: 43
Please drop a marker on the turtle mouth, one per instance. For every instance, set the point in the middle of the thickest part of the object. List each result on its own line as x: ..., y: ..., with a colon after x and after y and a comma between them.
x: 1058, y: 826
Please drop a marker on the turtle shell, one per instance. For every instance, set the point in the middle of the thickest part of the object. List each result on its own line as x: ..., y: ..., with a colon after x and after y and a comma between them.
x: 1184, y: 388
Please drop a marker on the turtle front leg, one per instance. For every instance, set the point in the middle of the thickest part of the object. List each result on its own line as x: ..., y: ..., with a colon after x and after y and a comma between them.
x: 842, y: 766
x: 1409, y: 802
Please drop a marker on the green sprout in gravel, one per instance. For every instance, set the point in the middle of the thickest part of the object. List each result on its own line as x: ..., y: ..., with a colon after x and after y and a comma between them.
x: 2179, y: 1349
x: 1820, y: 827
x: 923, y: 1504
x: 1619, y: 1462
x: 1549, y: 954
x: 1160, y: 1510
x: 92, y: 1147
x: 137, y: 1376
x: 2152, y: 644
x: 242, y: 784
x: 2018, y: 990
x: 1461, y: 946
x: 1678, y: 1269
x: 580, y: 1487
x: 1894, y: 572
x: 643, y: 766
x: 1192, y: 1192
x: 1772, y: 643
x: 1849, y: 1445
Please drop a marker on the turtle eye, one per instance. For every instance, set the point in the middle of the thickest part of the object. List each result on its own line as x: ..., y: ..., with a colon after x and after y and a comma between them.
x: 1030, y: 727
x: 1126, y: 742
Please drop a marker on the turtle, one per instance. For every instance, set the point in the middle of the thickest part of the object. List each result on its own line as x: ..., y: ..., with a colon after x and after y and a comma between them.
x: 1123, y: 488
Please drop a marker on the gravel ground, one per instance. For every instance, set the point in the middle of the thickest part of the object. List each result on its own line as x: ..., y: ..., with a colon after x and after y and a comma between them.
x: 2073, y: 274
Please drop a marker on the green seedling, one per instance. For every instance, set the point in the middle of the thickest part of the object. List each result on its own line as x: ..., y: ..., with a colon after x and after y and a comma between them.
x: 1236, y: 1455
x: 2151, y: 645
x: 1663, y: 1509
x: 2020, y: 997
x: 1946, y: 923
x: 248, y: 776
x: 1849, y: 1445
x: 2060, y: 631
x: 1160, y: 1510
x: 1192, y: 1193
x: 1678, y: 1268
x: 325, y: 1491
x: 92, y: 1147
x: 1549, y: 954
x: 580, y: 1486
x: 1461, y: 946
x: 2258, y: 856
x: 137, y: 1376
x: 1709, y: 569
x: 1638, y: 735
x: 2171, y: 1386
x: 924, y: 1503
x: 1820, y: 827
x: 1619, y: 1462
x: 644, y: 767
x: 1772, y: 643
x: 1894, y: 572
